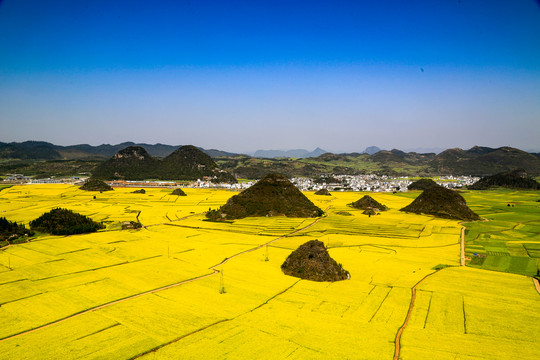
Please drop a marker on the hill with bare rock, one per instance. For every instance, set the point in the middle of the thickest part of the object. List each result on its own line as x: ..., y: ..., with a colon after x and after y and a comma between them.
x: 517, y: 179
x: 131, y: 163
x: 186, y: 163
x: 441, y: 202
x: 274, y: 195
x: 311, y: 261
x: 422, y: 184
x: 368, y: 203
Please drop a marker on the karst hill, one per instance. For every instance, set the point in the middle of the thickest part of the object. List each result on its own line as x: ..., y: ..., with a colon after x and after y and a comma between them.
x: 323, y: 192
x: 517, y: 179
x: 186, y: 163
x: 311, y: 261
x: 368, y: 203
x: 441, y: 202
x: 274, y: 195
x: 422, y: 184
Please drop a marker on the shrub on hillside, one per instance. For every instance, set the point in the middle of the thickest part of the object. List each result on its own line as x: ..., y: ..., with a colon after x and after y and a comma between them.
x: 11, y: 232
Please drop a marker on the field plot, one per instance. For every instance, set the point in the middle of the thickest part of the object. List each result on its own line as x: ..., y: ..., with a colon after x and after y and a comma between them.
x: 185, y: 288
x: 510, y: 240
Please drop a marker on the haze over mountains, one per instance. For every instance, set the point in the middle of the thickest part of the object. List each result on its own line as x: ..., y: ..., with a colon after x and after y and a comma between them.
x: 477, y: 161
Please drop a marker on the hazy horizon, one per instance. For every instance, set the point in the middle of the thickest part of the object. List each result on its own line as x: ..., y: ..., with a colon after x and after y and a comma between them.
x: 241, y: 76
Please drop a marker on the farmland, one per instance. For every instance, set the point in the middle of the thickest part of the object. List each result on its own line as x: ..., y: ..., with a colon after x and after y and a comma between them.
x: 186, y: 288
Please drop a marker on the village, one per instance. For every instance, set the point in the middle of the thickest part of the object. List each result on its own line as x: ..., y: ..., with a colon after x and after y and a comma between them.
x: 372, y: 182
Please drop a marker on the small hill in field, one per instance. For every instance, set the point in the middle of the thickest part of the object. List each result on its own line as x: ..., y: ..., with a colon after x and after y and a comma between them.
x: 311, y: 261
x: 517, y: 179
x: 422, y: 184
x: 368, y: 203
x: 64, y: 222
x: 274, y: 195
x: 141, y: 191
x: 96, y: 185
x: 323, y: 192
x: 178, y: 192
x: 11, y: 232
x: 441, y: 202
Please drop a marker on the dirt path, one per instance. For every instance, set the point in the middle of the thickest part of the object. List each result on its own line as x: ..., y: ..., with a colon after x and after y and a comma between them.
x: 462, y: 255
x: 409, y: 313
x: 536, y: 284
x: 214, y: 272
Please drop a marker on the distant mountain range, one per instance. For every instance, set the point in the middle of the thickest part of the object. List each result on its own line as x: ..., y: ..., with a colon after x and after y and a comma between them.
x: 41, y: 150
x: 478, y: 161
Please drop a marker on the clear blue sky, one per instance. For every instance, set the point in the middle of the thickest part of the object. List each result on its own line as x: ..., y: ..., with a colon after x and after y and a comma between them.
x: 247, y: 75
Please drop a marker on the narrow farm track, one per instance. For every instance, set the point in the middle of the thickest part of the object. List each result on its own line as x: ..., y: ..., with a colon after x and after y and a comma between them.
x: 462, y: 255
x: 214, y: 272
x: 409, y: 313
x: 536, y: 284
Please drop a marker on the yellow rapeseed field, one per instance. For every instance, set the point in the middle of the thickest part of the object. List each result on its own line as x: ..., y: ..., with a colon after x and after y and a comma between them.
x: 185, y: 288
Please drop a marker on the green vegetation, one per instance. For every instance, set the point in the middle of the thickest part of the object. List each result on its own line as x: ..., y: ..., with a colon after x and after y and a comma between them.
x: 141, y: 191
x: 510, y: 240
x: 47, y: 169
x: 475, y: 161
x: 4, y: 186
x: 186, y: 163
x: 443, y: 203
x: 96, y: 185
x: 516, y: 179
x: 274, y: 195
x: 60, y: 221
x: 12, y: 233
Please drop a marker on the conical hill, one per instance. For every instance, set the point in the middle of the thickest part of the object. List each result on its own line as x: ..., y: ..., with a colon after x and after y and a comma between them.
x: 186, y: 163
x: 311, y: 261
x: 131, y: 163
x: 323, y: 192
x: 441, y: 202
x: 422, y: 184
x: 190, y: 163
x: 274, y: 195
x: 368, y: 203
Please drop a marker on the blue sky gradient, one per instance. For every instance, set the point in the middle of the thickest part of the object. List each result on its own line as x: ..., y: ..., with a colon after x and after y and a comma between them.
x: 244, y: 75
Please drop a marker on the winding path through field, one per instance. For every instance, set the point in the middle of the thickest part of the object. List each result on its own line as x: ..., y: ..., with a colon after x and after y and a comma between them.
x: 409, y: 313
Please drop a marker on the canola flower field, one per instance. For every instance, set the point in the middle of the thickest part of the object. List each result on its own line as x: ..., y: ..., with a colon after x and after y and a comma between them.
x: 186, y: 288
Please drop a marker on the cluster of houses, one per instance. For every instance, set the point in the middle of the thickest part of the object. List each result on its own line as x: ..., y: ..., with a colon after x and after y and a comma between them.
x: 374, y: 183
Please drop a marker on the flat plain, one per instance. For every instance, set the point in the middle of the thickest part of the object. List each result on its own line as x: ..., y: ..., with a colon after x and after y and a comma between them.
x: 186, y: 288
